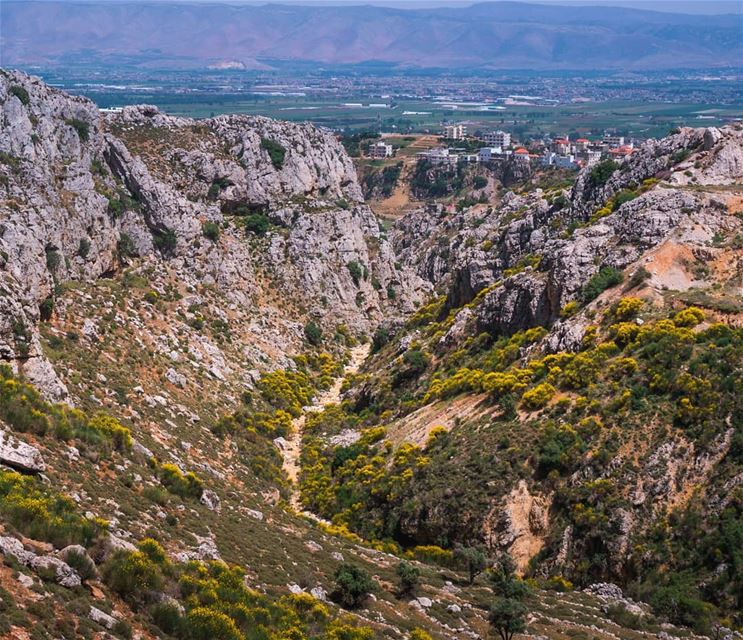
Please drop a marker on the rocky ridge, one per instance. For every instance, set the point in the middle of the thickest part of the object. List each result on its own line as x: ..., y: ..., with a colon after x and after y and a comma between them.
x: 86, y: 198
x: 533, y: 253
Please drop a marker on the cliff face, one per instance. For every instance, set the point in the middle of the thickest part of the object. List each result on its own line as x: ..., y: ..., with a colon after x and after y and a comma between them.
x: 533, y: 253
x: 84, y: 198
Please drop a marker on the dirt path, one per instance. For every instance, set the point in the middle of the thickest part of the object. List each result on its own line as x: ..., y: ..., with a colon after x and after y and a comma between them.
x: 293, y: 447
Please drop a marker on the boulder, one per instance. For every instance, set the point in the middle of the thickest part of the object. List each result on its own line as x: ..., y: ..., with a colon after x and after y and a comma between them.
x: 19, y: 455
x: 102, y: 618
x: 210, y: 499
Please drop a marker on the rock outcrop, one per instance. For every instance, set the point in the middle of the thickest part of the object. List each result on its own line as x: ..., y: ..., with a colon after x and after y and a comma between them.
x: 20, y: 455
x: 82, y: 198
x: 531, y: 254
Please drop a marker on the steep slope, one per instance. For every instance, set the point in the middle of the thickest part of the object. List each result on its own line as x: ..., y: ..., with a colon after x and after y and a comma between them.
x: 226, y: 221
x: 561, y: 400
x: 192, y: 287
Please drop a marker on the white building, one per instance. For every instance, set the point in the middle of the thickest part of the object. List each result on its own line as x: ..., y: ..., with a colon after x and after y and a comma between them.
x: 486, y: 154
x: 500, y: 139
x: 613, y: 141
x: 455, y: 131
x: 439, y: 155
x: 552, y: 159
x: 380, y: 150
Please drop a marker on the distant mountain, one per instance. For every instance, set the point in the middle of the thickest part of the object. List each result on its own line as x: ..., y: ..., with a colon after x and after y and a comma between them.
x: 503, y: 35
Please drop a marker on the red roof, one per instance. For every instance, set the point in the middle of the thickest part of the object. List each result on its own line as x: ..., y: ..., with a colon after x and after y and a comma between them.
x: 582, y: 140
x: 521, y: 150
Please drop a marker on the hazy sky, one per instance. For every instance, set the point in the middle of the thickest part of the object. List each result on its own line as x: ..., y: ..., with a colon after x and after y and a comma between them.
x: 681, y: 6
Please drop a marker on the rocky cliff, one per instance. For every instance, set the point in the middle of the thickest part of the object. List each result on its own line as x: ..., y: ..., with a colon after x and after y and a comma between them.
x: 86, y: 197
x: 533, y: 253
x: 569, y: 396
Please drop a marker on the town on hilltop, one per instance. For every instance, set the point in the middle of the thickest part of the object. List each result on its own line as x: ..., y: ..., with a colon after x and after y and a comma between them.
x: 457, y: 145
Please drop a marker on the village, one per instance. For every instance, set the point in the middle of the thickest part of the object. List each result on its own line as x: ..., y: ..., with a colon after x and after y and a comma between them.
x: 454, y: 145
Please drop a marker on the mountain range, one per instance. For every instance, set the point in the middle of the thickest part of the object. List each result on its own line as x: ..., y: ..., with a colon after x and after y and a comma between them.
x: 502, y: 35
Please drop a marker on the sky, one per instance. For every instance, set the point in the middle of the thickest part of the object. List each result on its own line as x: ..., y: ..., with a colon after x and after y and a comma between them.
x: 678, y: 6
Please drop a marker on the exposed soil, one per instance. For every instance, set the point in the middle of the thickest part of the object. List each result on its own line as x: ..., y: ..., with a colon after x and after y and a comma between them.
x: 293, y: 449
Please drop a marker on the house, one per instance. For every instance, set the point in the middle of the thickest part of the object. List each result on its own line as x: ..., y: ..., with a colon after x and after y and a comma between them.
x: 561, y: 146
x: 521, y: 155
x: 622, y: 151
x: 455, y: 131
x: 439, y: 155
x: 613, y: 142
x: 500, y: 139
x: 552, y: 159
x: 487, y: 154
x: 589, y: 156
x: 380, y: 150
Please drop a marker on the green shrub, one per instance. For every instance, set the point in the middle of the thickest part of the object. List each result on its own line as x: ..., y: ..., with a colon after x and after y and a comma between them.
x: 356, y: 271
x: 125, y: 246
x: 39, y: 513
x: 257, y: 223
x: 165, y: 240
x: 185, y: 485
x: 606, y: 278
x: 20, y: 92
x: 81, y: 127
x: 167, y: 616
x: 538, y: 397
x: 623, y: 196
x: 479, y: 182
x: 601, y: 173
x: 132, y: 574
x: 123, y: 629
x: 53, y: 258
x: 81, y: 563
x: 46, y: 309
x: 276, y: 152
x: 210, y: 230
x: 352, y: 585
x: 638, y: 277
x: 115, y: 207
x: 83, y: 248
x: 380, y: 339
x: 313, y: 333
x: 409, y: 576
x: 217, y: 186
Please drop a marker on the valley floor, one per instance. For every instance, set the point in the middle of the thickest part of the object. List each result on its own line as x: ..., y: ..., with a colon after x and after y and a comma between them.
x: 292, y: 449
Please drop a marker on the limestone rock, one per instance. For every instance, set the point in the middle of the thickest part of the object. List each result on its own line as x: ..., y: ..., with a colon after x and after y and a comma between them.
x: 19, y: 455
x: 102, y: 618
x: 210, y: 499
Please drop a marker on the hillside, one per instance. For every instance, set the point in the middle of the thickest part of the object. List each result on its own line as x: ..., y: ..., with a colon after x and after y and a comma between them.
x: 180, y: 300
x: 502, y: 35
x: 572, y: 397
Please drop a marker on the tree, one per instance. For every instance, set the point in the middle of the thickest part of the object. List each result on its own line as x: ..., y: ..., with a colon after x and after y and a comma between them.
x: 409, y: 576
x: 313, y: 333
x: 210, y: 230
x: 276, y: 152
x: 352, y: 585
x: 505, y: 582
x: 507, y: 617
x: 472, y: 558
x: 165, y: 240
